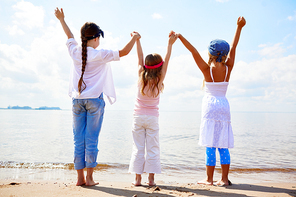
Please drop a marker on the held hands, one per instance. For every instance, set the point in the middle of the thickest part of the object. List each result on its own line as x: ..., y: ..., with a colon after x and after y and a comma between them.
x: 59, y: 13
x: 172, y: 37
x: 241, y: 21
x: 172, y: 33
x: 136, y: 35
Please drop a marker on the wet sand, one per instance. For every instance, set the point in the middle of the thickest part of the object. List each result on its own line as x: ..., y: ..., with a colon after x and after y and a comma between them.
x: 117, y: 182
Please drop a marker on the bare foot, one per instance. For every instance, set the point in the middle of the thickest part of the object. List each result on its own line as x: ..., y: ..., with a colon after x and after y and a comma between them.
x: 80, y: 182
x: 80, y: 178
x: 138, y: 180
x: 151, y: 183
x: 90, y: 181
x: 137, y: 183
x: 222, y: 183
x: 205, y: 182
x: 151, y: 180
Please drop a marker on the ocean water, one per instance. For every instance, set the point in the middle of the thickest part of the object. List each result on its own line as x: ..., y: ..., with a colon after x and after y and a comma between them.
x: 38, y: 144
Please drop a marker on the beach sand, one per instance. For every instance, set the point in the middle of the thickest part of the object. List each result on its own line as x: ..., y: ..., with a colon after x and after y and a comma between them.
x: 16, y: 182
x: 45, y: 188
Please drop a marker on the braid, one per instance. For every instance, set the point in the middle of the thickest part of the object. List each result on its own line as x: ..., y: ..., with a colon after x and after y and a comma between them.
x: 81, y: 83
x: 88, y: 32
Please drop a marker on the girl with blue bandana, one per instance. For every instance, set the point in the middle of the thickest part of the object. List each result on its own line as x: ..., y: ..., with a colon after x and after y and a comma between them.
x: 91, y: 76
x: 215, y: 129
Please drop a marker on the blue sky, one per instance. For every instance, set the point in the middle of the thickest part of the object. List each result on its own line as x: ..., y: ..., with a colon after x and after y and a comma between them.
x: 35, y: 65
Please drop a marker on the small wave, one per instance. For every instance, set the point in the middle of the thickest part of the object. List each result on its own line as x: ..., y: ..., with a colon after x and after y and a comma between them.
x: 48, y: 165
x: 261, y: 170
x: 106, y: 166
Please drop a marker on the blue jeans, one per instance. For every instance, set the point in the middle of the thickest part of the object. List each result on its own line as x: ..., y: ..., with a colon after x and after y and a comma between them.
x: 87, y: 123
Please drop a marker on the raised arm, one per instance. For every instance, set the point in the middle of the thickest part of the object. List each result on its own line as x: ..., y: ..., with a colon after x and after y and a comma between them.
x: 172, y: 38
x: 60, y: 15
x: 128, y: 47
x: 241, y: 22
x: 203, y: 66
x: 140, y: 57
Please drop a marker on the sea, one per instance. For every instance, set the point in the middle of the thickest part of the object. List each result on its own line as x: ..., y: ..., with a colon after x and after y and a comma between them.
x: 38, y: 145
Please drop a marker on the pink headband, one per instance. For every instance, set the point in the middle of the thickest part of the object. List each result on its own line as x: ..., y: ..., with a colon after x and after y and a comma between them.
x: 154, y: 66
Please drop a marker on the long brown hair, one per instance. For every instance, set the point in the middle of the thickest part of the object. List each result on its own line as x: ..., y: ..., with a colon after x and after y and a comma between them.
x: 88, y: 31
x: 151, y: 77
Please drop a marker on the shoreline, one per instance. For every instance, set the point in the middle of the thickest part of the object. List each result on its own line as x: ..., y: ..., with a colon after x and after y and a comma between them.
x: 167, y: 176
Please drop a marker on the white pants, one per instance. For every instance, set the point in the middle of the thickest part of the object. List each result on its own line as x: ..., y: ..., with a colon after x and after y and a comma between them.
x: 145, y: 133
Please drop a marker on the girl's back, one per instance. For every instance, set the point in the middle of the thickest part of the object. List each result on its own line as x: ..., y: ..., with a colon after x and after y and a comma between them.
x: 220, y: 73
x: 146, y: 104
x: 96, y: 74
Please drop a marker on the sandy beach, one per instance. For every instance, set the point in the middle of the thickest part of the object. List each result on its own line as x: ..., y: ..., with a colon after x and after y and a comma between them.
x: 117, y: 182
x: 61, y: 188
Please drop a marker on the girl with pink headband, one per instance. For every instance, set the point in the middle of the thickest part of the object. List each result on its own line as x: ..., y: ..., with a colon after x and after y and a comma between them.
x: 145, y: 126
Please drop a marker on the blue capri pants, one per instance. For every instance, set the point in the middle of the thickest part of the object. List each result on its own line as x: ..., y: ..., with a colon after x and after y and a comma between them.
x: 211, y: 156
x: 87, y: 123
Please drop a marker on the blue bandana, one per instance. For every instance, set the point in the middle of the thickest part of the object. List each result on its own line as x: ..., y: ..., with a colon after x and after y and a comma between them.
x: 218, y: 48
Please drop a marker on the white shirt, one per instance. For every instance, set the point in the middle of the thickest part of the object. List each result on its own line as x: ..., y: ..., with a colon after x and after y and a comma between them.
x: 98, y: 74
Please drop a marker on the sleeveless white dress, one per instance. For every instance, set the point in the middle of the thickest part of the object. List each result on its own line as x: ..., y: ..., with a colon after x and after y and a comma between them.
x: 215, y: 128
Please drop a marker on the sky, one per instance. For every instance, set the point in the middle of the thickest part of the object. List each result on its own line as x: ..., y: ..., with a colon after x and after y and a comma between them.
x: 35, y: 64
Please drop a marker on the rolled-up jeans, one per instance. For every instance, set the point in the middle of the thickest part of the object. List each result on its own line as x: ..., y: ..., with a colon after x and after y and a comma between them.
x: 87, y: 123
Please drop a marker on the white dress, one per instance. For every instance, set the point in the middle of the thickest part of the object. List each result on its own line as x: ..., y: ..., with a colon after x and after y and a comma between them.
x: 215, y: 128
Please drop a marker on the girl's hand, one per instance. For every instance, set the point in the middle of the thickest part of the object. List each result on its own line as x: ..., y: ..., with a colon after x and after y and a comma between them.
x: 173, y: 37
x: 171, y: 33
x: 136, y: 34
x: 59, y: 13
x: 174, y: 33
x: 241, y: 21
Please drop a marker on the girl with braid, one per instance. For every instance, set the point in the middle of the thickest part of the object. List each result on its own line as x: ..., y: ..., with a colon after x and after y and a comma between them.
x: 91, y: 77
x: 215, y: 128
x: 151, y: 72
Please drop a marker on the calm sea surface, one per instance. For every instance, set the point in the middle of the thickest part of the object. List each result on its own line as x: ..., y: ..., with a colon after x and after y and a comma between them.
x: 34, y: 140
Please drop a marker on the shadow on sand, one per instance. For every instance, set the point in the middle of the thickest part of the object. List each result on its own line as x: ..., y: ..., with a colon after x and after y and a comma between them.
x: 170, y: 191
